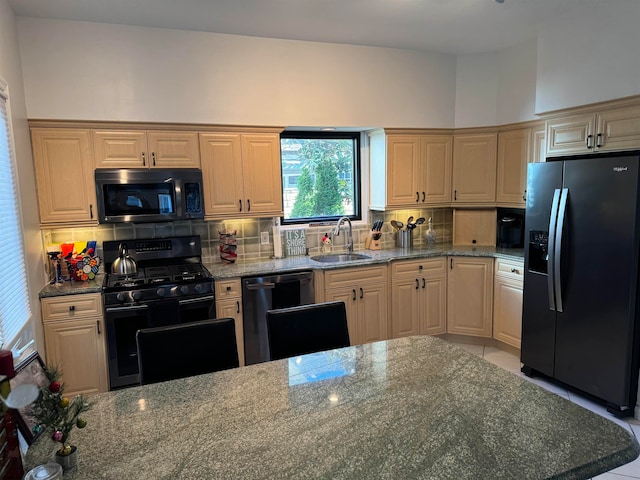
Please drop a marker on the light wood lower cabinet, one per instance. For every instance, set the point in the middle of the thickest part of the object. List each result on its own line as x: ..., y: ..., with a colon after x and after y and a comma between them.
x: 364, y: 292
x: 229, y: 305
x: 75, y: 341
x: 418, y: 297
x: 507, y: 302
x: 470, y: 296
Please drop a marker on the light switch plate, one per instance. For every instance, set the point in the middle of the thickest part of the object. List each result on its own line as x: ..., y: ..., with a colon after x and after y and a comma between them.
x: 264, y: 238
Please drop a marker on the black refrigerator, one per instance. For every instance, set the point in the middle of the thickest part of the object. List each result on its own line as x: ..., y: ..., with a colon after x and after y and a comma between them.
x: 580, y: 302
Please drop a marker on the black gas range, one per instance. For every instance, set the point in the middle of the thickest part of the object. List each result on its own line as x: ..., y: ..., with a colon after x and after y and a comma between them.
x: 170, y: 286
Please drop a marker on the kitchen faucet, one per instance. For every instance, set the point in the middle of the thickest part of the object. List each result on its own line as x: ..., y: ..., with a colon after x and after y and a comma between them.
x: 336, y: 232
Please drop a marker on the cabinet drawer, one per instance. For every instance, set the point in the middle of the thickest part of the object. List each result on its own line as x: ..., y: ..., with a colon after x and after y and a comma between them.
x: 509, y: 268
x: 350, y: 276
x: 419, y: 267
x: 228, y: 288
x: 71, y: 306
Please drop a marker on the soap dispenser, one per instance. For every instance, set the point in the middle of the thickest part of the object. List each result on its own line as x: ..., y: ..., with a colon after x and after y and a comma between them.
x: 430, y: 236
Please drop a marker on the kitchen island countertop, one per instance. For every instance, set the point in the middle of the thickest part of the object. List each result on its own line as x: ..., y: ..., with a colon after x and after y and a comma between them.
x: 411, y: 408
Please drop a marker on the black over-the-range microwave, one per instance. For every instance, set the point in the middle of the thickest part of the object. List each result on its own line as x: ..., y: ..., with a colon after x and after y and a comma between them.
x: 149, y: 195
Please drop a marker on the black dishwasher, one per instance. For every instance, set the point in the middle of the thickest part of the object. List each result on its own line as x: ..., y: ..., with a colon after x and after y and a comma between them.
x: 260, y: 294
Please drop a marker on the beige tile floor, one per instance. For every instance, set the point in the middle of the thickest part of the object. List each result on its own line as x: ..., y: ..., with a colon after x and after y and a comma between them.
x: 512, y: 363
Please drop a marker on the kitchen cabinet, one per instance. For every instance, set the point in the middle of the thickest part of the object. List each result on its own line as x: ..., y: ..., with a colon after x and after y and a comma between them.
x: 418, y: 297
x: 409, y: 170
x: 241, y: 174
x: 63, y: 163
x: 146, y: 149
x: 229, y: 305
x: 538, y: 150
x: 474, y: 169
x: 474, y: 227
x: 507, y: 301
x: 513, y: 157
x: 75, y: 341
x: 599, y: 129
x: 364, y: 292
x: 470, y: 296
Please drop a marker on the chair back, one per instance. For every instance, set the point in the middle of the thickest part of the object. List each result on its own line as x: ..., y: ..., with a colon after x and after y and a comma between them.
x: 306, y: 329
x: 186, y: 349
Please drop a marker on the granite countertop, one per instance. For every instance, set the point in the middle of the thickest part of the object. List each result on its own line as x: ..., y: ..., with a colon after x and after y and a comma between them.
x: 292, y: 264
x: 415, y: 407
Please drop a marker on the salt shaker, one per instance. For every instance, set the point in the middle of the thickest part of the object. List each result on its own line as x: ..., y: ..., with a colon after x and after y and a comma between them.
x: 430, y: 236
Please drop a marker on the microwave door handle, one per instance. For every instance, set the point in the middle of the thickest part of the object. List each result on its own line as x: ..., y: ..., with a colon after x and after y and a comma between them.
x: 557, y: 257
x: 553, y: 219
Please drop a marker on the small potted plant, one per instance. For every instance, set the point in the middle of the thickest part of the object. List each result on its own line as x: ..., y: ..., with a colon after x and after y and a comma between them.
x: 58, y: 414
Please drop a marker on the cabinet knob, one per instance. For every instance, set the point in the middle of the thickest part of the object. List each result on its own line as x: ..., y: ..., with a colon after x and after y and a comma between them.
x: 424, y: 196
x: 72, y: 308
x: 237, y: 306
x: 361, y: 293
x: 515, y: 270
x: 240, y: 203
x: 417, y: 284
x: 417, y: 197
x: 144, y: 160
x: 228, y: 289
x: 153, y: 157
x: 424, y: 282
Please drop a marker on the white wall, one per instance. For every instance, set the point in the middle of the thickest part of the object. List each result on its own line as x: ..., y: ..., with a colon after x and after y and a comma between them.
x: 496, y: 88
x: 590, y: 56
x: 11, y: 71
x: 80, y: 70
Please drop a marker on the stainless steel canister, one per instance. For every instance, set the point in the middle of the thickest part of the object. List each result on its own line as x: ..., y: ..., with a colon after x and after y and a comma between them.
x: 404, y: 238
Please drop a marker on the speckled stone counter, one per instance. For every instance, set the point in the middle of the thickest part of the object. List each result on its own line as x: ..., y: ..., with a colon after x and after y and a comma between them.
x: 291, y: 264
x: 414, y: 407
x: 72, y: 288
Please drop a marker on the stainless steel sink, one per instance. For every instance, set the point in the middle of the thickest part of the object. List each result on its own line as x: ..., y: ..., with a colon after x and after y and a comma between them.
x: 340, y: 257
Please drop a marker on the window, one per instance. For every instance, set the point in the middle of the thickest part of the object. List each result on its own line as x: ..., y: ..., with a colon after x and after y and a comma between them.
x: 320, y: 176
x: 14, y: 303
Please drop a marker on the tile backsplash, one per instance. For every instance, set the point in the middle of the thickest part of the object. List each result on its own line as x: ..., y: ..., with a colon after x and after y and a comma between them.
x: 248, y: 233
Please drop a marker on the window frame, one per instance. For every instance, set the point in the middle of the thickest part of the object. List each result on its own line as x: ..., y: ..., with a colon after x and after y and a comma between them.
x: 356, y: 137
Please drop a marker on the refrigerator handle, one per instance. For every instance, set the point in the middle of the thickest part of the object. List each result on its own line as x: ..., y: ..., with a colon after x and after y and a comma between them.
x: 562, y: 212
x: 551, y: 248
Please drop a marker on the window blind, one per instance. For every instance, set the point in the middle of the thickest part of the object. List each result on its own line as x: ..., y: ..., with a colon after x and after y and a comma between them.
x: 14, y: 303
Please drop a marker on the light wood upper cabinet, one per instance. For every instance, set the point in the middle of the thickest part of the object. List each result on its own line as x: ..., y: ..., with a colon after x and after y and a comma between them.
x: 474, y: 227
x: 599, y: 129
x: 538, y: 150
x: 507, y: 302
x: 64, y: 173
x: 470, y: 296
x: 513, y: 156
x: 241, y: 174
x: 409, y: 170
x: 75, y: 341
x: 146, y: 149
x: 418, y: 297
x: 474, y: 169
x: 364, y: 292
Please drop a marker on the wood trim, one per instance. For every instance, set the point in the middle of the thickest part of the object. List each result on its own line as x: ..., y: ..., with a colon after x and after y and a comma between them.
x: 592, y: 107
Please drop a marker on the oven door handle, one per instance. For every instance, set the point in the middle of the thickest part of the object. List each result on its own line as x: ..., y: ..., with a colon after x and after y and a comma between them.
x: 187, y: 301
x: 261, y: 286
x: 126, y: 308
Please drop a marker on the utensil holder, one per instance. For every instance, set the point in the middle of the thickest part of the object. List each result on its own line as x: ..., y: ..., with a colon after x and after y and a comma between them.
x: 404, y: 239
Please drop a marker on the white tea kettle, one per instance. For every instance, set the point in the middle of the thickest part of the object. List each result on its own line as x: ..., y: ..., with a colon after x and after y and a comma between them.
x: 124, y: 264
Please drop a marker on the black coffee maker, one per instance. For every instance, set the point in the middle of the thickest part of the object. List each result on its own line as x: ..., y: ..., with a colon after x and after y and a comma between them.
x: 510, y: 228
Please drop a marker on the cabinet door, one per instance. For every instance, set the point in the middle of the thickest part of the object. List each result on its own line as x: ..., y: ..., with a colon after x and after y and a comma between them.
x: 507, y: 315
x: 403, y: 170
x: 222, y: 173
x: 470, y: 296
x: 474, y: 168
x: 513, y: 156
x: 618, y: 129
x: 437, y: 156
x: 405, y: 307
x: 232, y: 308
x: 120, y: 149
x: 349, y: 297
x: 64, y: 174
x: 433, y: 305
x: 173, y: 149
x: 372, y: 313
x: 78, y: 348
x: 262, y: 174
x: 569, y: 135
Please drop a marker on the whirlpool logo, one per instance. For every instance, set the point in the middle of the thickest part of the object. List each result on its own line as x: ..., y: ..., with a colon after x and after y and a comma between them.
x: 620, y: 169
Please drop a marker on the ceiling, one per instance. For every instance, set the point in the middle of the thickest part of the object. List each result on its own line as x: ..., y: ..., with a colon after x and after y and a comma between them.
x: 446, y: 26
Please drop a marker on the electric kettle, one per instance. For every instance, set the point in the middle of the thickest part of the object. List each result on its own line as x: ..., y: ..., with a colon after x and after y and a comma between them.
x: 124, y: 264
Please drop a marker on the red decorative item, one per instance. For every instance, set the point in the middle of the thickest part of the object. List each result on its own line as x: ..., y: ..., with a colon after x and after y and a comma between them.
x: 56, y: 436
x: 6, y: 364
x: 54, y: 387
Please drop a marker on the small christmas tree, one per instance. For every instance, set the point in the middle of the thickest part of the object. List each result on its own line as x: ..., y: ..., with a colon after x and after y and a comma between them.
x: 57, y: 413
